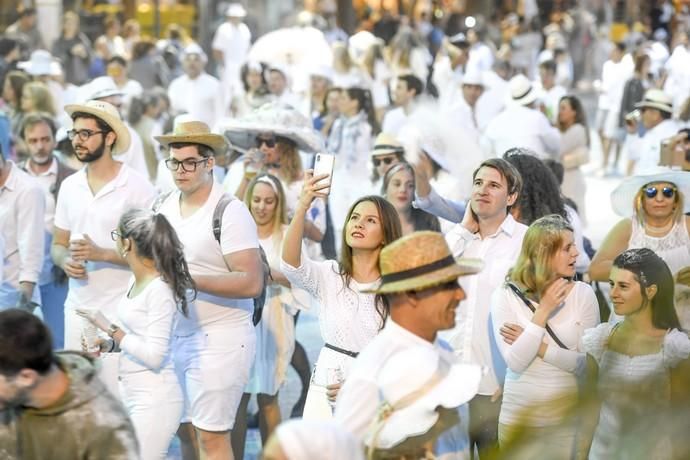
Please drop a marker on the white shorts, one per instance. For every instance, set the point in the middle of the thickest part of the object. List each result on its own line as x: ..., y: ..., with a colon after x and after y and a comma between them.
x: 213, y: 368
x: 600, y: 119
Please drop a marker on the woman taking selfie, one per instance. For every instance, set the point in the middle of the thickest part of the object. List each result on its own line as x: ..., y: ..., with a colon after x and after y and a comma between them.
x: 538, y: 318
x: 348, y: 318
x: 634, y: 363
x: 148, y: 384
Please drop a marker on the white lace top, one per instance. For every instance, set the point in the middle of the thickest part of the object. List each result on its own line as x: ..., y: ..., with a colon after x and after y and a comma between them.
x: 631, y: 388
x: 348, y: 318
x: 674, y: 248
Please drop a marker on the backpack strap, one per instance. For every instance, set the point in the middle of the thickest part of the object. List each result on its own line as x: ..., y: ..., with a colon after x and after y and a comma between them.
x: 217, y: 222
x: 158, y: 202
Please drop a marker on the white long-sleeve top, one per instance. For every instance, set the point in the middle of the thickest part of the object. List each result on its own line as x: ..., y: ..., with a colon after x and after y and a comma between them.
x: 538, y: 392
x: 147, y: 320
x: 22, y: 213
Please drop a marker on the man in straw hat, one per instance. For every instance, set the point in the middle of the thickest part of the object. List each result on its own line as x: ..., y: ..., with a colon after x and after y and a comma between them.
x: 387, y: 152
x: 88, y: 207
x: 419, y: 279
x: 214, y: 346
x: 656, y: 112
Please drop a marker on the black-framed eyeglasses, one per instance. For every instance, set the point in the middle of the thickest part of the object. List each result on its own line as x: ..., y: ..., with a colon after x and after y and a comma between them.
x: 668, y: 192
x: 386, y: 161
x: 188, y: 165
x: 115, y: 235
x: 83, y: 134
x: 269, y: 141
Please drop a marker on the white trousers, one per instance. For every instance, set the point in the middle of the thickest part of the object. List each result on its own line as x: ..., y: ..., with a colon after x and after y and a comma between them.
x: 155, y: 403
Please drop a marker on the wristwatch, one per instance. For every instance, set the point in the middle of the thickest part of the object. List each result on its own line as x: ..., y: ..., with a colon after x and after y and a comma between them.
x: 112, y: 329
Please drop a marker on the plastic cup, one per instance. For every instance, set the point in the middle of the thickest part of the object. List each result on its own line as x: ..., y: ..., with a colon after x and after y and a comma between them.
x: 75, y: 237
x: 90, y: 334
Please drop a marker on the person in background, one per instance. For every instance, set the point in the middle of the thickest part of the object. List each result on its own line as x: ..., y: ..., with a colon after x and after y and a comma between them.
x: 117, y: 70
x: 330, y: 111
x: 26, y: 29
x: 143, y: 113
x: 9, y: 55
x: 408, y: 88
x: 551, y: 92
x: 399, y: 189
x: 73, y: 49
x: 572, y: 122
x: 12, y: 90
x: 112, y: 39
x: 231, y: 43
x: 52, y: 399
x: 36, y: 97
x: 387, y: 152
x: 255, y: 92
x: 147, y: 67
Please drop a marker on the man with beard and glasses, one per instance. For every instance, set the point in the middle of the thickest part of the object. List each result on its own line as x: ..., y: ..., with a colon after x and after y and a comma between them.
x: 38, y: 131
x: 51, y: 404
x: 89, y: 206
x: 21, y: 221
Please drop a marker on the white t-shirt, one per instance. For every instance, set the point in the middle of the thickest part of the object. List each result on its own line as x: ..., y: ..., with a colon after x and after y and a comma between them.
x: 147, y: 320
x: 79, y: 211
x: 201, y: 97
x: 205, y: 257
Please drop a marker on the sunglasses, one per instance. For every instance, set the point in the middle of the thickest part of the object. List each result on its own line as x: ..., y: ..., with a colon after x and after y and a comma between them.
x: 668, y: 192
x: 269, y: 141
x: 386, y: 161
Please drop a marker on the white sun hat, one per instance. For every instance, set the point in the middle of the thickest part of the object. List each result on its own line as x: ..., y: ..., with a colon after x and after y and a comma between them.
x: 413, y: 385
x: 41, y: 62
x: 281, y: 120
x: 623, y: 196
x: 522, y: 91
x: 235, y: 10
x: 656, y: 99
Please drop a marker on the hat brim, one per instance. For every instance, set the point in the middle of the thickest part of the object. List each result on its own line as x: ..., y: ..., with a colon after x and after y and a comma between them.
x: 462, y: 267
x: 244, y: 136
x: 623, y: 196
x: 460, y: 385
x: 654, y: 105
x: 527, y: 99
x: 116, y: 124
x: 215, y: 142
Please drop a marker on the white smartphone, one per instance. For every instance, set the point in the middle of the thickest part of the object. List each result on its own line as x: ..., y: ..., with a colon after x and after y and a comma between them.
x: 324, y: 165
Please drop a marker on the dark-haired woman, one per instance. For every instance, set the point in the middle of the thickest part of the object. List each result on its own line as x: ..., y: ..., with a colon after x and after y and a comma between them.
x: 148, y: 384
x: 255, y: 92
x: 399, y: 188
x: 351, y: 140
x: 348, y: 318
x: 574, y: 153
x: 634, y: 361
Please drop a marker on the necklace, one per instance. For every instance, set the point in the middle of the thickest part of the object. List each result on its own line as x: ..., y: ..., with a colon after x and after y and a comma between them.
x: 658, y: 231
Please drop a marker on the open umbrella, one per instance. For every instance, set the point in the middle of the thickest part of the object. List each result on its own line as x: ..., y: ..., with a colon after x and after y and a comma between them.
x: 303, y: 47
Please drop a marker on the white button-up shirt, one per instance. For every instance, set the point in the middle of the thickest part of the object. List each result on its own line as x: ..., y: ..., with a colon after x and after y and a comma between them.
x: 646, y: 150
x: 22, y: 209
x: 201, y: 97
x: 519, y: 126
x: 471, y: 338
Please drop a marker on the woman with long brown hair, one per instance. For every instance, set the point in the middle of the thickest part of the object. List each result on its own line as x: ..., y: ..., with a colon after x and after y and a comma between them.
x: 348, y: 318
x: 572, y: 123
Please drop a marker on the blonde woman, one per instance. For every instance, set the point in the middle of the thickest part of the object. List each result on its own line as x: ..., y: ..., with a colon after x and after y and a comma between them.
x: 538, y: 318
x: 36, y: 97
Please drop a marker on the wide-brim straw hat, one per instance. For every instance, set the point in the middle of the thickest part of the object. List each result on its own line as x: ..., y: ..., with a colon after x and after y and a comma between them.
x: 420, y: 260
x: 414, y: 384
x: 110, y: 115
x: 194, y: 132
x: 623, y: 196
x: 278, y: 119
x: 386, y: 144
x: 656, y: 99
x: 522, y: 91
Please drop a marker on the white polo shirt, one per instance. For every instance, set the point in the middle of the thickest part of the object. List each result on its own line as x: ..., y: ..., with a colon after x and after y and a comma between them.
x: 22, y: 207
x: 205, y: 257
x: 78, y: 210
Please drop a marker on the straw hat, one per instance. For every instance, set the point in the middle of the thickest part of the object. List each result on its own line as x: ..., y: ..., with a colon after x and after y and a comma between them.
x: 420, y: 260
x: 41, y: 62
x: 278, y: 119
x: 623, y: 196
x: 101, y: 87
x: 522, y: 91
x: 386, y: 144
x: 656, y: 99
x: 415, y: 385
x: 195, y: 132
x: 235, y: 10
x: 110, y: 115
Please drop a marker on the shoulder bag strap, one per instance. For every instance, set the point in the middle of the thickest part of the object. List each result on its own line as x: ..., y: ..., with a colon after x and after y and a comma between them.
x: 516, y: 290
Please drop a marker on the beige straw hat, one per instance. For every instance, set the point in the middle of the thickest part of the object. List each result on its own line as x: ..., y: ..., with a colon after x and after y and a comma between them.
x: 110, y: 115
x: 420, y: 260
x: 195, y: 132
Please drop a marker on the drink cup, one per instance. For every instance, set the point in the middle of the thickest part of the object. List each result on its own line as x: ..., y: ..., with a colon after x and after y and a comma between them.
x: 75, y: 237
x: 90, y: 334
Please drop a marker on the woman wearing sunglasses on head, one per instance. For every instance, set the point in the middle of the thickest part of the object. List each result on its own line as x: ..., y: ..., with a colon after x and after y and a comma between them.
x: 653, y: 207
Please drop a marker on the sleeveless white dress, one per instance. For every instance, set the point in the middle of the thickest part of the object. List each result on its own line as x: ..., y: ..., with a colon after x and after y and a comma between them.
x: 632, y: 390
x: 674, y: 248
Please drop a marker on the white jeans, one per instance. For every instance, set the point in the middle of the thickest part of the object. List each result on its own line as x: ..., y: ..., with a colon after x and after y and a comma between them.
x: 155, y: 403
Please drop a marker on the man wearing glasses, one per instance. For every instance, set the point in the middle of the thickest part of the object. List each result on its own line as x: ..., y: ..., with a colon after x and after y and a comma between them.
x: 214, y: 346
x: 88, y: 207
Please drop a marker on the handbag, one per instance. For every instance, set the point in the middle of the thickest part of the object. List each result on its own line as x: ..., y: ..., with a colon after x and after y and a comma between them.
x: 522, y: 297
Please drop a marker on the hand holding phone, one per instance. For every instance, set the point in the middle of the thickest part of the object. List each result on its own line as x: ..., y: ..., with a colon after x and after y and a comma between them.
x: 323, y: 164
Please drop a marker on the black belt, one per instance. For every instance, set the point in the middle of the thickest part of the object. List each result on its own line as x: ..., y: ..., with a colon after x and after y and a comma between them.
x: 341, y: 350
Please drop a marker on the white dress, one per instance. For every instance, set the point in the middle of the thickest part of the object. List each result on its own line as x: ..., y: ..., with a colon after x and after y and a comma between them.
x: 347, y: 318
x: 674, y: 248
x: 622, y: 379
x: 275, y: 333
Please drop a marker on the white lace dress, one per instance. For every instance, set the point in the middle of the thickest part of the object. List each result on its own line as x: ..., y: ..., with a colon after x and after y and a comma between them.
x: 674, y: 248
x: 631, y: 389
x: 347, y: 318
